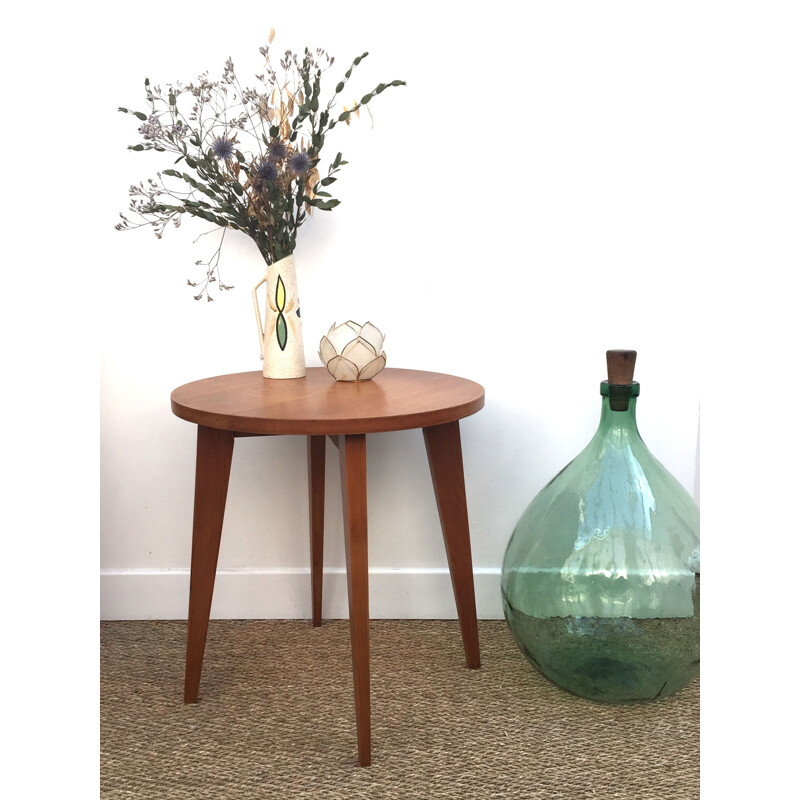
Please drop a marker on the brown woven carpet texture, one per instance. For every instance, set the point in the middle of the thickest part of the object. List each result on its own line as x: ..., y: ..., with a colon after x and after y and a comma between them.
x: 275, y: 718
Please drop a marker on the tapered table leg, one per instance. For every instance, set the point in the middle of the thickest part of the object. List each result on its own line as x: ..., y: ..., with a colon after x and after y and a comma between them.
x: 443, y: 443
x: 214, y: 453
x: 316, y: 513
x: 353, y: 465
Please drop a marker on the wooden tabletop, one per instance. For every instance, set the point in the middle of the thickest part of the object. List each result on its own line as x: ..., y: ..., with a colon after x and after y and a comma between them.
x: 396, y: 399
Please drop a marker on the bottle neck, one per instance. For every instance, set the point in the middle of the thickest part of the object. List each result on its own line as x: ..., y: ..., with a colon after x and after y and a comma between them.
x: 618, y: 413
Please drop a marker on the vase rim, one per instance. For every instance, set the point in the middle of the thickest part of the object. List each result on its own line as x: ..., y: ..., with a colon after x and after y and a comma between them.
x: 283, y: 260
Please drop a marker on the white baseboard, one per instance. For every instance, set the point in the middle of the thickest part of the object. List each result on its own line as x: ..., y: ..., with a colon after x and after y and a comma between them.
x: 286, y: 594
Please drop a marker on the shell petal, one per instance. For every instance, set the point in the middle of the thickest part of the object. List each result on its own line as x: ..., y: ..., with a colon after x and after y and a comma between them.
x: 341, y: 335
x: 373, y: 368
x: 342, y: 369
x: 326, y: 350
x: 372, y: 335
x: 360, y: 352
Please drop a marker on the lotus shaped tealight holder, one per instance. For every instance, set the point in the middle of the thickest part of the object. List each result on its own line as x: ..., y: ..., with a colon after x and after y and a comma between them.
x: 353, y: 352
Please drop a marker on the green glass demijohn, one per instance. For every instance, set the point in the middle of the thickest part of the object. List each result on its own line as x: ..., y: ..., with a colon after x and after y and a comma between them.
x: 601, y: 577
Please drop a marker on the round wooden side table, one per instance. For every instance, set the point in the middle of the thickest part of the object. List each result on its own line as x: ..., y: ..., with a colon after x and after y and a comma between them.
x: 247, y: 404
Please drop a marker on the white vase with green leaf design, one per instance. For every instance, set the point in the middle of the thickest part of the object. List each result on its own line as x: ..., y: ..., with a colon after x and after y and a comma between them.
x: 280, y: 329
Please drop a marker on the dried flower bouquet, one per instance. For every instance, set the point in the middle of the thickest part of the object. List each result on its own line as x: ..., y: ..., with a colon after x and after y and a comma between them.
x: 252, y: 155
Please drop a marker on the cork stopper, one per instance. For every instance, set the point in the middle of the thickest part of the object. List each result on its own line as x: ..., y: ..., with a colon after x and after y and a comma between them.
x: 620, y: 378
x: 620, y: 367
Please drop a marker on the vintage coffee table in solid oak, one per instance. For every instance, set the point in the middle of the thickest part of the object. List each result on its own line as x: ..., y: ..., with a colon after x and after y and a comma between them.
x: 247, y: 404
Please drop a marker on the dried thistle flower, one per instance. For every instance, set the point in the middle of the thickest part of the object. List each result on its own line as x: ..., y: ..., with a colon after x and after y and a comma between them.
x: 222, y: 148
x: 299, y: 163
x: 277, y: 150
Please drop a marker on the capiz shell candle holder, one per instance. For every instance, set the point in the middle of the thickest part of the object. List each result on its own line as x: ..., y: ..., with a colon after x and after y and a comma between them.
x: 353, y: 352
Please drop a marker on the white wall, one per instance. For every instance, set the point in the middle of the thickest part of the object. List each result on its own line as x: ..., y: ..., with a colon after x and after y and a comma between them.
x: 528, y: 201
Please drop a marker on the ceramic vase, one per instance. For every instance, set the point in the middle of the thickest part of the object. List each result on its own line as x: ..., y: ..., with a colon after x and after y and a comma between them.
x: 280, y: 329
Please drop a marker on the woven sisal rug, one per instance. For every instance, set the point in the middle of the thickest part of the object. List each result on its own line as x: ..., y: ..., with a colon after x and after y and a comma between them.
x: 275, y: 719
